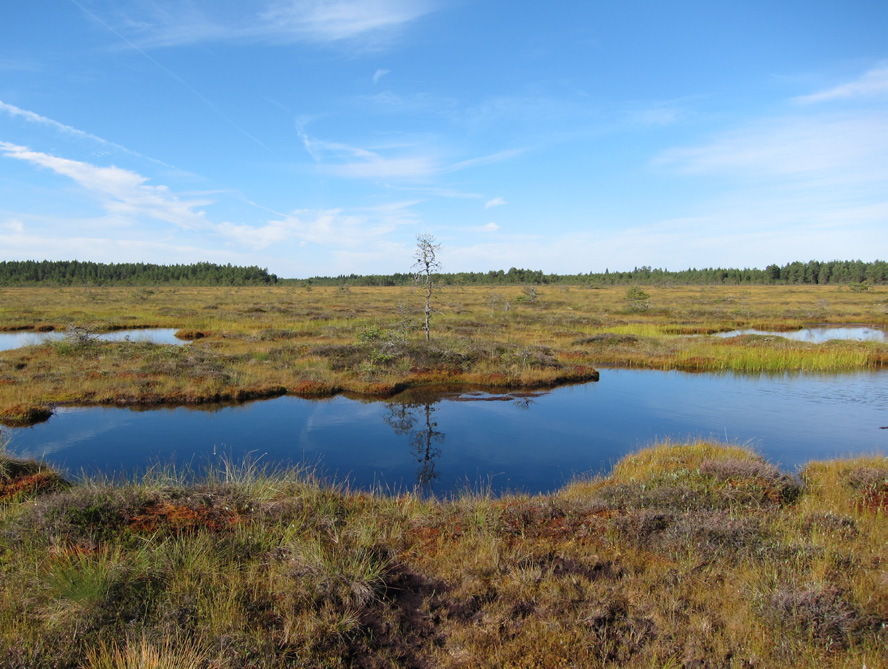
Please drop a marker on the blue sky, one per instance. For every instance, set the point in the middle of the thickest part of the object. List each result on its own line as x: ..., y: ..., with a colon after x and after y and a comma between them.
x: 322, y: 136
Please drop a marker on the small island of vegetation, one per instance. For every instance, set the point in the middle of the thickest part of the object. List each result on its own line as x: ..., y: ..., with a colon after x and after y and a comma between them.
x: 303, y: 338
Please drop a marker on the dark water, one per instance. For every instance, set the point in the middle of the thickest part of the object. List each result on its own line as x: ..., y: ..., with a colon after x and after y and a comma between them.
x: 532, y: 443
x: 819, y: 335
x: 11, y: 340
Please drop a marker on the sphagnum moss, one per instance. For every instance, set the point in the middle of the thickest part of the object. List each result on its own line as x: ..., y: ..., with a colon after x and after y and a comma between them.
x: 695, y: 554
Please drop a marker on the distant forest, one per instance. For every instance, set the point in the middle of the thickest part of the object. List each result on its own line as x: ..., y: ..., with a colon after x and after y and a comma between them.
x: 76, y: 273
x: 813, y: 272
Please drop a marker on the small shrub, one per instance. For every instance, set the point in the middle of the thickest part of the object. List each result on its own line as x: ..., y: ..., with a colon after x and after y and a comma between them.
x: 637, y: 300
x: 824, y: 616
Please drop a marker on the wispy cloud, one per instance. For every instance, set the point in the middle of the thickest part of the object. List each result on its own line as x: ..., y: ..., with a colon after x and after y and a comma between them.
x: 414, y: 103
x: 840, y: 146
x: 32, y: 117
x: 333, y: 20
x: 728, y: 235
x: 99, y: 248
x: 495, y: 202
x: 121, y: 192
x: 354, y: 162
x: 409, y: 160
x: 303, y: 241
x: 379, y: 74
x: 9, y: 64
x: 872, y: 83
x: 489, y: 159
x: 331, y: 228
x: 165, y: 23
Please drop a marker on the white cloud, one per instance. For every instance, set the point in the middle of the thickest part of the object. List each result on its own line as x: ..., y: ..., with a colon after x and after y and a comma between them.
x: 166, y: 23
x: 332, y: 20
x: 61, y: 246
x: 32, y: 117
x: 121, y: 192
x: 843, y: 146
x: 353, y: 162
x: 495, y: 202
x: 490, y: 227
x: 872, y: 83
x: 379, y: 74
x: 14, y: 225
x: 724, y: 237
x: 331, y: 228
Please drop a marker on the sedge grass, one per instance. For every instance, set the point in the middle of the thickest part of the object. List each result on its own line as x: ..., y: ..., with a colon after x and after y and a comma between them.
x: 697, y: 554
x: 261, y: 342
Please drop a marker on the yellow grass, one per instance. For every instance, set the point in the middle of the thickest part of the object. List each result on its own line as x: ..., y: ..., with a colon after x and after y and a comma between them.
x: 264, y: 341
x: 694, y: 554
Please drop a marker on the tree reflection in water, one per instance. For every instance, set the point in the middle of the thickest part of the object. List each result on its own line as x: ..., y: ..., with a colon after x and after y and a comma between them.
x: 416, y: 420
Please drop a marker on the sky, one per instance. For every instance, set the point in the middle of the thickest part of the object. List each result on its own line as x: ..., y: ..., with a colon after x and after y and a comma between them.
x: 321, y: 137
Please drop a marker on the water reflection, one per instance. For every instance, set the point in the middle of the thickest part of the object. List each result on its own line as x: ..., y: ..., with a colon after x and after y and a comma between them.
x: 527, y: 442
x: 13, y: 340
x: 415, y: 420
x: 818, y: 335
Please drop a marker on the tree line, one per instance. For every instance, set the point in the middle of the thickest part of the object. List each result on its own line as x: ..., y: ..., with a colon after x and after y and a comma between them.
x: 811, y: 273
x: 79, y: 273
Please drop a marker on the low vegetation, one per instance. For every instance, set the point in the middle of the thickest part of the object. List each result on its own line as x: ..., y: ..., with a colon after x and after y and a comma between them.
x: 692, y: 555
x: 259, y: 342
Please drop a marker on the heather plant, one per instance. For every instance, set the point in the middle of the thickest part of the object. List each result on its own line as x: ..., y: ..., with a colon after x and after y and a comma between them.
x: 684, y: 555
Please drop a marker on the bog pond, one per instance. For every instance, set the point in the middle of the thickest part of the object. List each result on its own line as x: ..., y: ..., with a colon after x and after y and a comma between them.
x: 531, y: 442
x: 11, y: 340
x: 819, y: 335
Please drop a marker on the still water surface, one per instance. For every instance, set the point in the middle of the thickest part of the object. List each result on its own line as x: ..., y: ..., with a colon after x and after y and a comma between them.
x: 532, y: 443
x: 819, y: 335
x: 11, y: 340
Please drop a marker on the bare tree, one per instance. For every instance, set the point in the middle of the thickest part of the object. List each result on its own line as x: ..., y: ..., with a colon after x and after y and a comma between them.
x: 426, y: 265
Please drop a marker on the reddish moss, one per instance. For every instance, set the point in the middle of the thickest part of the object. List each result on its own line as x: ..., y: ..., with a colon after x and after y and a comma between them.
x: 190, y: 335
x: 695, y: 364
x: 27, y: 484
x: 312, y: 389
x: 177, y: 519
x: 24, y: 414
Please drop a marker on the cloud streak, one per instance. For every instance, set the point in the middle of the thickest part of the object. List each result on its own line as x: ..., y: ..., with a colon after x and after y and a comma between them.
x: 121, y: 192
x: 32, y: 117
x: 379, y: 74
x: 841, y: 146
x: 873, y: 83
x: 167, y: 24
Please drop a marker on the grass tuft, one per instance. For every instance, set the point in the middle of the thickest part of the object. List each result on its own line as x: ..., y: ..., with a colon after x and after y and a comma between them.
x: 685, y: 555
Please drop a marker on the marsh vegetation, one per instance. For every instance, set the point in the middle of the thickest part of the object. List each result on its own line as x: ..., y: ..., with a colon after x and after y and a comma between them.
x: 684, y: 555
x: 261, y: 342
x: 697, y: 554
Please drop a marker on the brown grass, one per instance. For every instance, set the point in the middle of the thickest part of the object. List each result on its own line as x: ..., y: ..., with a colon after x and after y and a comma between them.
x: 258, y: 342
x: 683, y: 556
